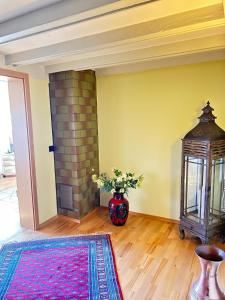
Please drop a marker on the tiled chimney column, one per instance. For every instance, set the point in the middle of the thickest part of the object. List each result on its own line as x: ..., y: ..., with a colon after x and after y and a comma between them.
x: 75, y: 135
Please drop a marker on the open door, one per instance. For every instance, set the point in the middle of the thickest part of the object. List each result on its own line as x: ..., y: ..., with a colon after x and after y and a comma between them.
x: 18, y: 86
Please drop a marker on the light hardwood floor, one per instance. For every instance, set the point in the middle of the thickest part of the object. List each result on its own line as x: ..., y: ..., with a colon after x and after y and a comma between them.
x: 153, y: 263
x: 9, y: 208
x: 7, y: 182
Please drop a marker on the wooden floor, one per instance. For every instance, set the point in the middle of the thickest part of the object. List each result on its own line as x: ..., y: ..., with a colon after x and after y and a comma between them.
x: 7, y: 182
x: 9, y: 209
x: 153, y: 263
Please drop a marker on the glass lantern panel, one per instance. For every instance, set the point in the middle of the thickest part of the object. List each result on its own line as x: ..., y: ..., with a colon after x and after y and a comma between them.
x: 194, y: 188
x: 217, y: 199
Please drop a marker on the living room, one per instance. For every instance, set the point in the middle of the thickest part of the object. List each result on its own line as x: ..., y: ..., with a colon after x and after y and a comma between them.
x: 116, y: 86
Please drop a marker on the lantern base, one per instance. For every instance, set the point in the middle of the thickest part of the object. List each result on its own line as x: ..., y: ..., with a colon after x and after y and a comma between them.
x: 205, y: 234
x: 222, y: 237
x: 182, y: 233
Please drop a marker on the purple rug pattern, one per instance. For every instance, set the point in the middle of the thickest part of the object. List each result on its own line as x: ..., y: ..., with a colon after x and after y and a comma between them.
x: 80, y: 268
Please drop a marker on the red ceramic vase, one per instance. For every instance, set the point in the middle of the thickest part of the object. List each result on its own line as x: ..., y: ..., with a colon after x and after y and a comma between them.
x: 118, y: 209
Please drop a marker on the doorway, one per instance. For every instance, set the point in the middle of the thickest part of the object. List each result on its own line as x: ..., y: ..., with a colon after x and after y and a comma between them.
x: 9, y: 207
x: 18, y: 195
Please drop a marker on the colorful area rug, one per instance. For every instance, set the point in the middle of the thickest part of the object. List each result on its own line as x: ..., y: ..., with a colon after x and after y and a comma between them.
x: 81, y: 267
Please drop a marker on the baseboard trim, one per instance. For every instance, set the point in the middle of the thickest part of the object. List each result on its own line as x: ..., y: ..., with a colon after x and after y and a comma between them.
x: 89, y: 215
x: 57, y: 217
x: 80, y: 221
x: 133, y: 213
x: 68, y: 218
x: 156, y: 217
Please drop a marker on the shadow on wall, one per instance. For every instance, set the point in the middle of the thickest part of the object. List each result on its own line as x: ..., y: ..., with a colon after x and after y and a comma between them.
x: 136, y: 197
x: 175, y: 179
x: 176, y: 153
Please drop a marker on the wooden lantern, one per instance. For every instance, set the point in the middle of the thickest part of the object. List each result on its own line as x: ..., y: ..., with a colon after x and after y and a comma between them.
x: 202, y: 210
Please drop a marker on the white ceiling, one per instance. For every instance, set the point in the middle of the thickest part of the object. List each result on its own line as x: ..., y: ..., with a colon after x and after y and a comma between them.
x: 111, y: 35
x: 12, y: 8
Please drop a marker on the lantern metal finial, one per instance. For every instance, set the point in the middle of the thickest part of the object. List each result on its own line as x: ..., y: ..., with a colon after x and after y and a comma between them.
x: 206, y: 129
x: 207, y: 115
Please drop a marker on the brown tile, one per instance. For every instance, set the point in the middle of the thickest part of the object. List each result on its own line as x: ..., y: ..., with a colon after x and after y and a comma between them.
x: 65, y: 173
x: 68, y: 150
x: 62, y: 109
x: 73, y: 92
x: 60, y: 76
x: 80, y: 125
x: 69, y: 142
x: 70, y: 83
x: 82, y: 117
x: 59, y: 149
x: 69, y: 134
x: 85, y: 93
x: 71, y: 100
x: 72, y: 74
x: 74, y: 108
x: 59, y: 93
x: 70, y: 126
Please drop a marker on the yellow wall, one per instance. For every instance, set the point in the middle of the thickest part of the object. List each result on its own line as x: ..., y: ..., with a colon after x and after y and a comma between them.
x: 44, y: 161
x: 142, y: 118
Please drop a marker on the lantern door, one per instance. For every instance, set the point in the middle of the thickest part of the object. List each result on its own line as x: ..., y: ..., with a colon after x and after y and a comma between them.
x: 194, y: 189
x: 217, y: 195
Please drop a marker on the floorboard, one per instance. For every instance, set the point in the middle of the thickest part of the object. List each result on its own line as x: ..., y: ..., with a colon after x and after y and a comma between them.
x: 153, y: 263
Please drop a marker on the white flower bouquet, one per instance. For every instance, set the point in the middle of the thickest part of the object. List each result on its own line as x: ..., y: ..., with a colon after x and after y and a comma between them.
x: 119, y: 183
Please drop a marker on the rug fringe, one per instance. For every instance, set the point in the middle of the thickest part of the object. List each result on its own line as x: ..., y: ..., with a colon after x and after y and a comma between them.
x: 116, y: 270
x: 82, y: 234
x: 55, y: 237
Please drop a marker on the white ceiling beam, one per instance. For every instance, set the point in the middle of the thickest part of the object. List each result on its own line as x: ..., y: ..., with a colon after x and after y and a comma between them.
x: 46, y: 18
x: 202, y: 45
x: 113, y: 42
x: 183, y: 59
x: 2, y: 60
x: 59, y: 15
x: 207, y: 29
x: 103, y: 18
